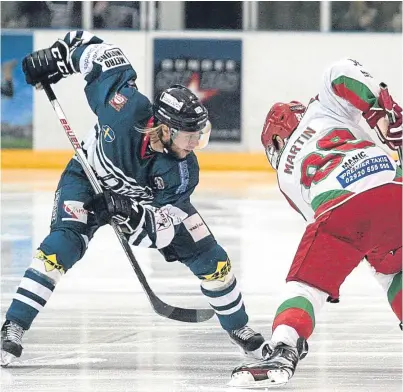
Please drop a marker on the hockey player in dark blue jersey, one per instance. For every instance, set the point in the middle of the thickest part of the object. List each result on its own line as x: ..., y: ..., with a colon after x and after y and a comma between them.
x: 143, y: 157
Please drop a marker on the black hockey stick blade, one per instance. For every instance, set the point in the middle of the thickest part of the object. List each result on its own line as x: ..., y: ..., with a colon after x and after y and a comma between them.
x: 180, y: 314
x: 160, y: 307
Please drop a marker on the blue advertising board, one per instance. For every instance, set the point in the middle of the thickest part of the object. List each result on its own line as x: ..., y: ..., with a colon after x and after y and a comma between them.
x: 211, y: 68
x: 16, y: 95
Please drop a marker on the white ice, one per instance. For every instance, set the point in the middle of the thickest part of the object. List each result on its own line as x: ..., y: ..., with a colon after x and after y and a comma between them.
x: 98, y: 333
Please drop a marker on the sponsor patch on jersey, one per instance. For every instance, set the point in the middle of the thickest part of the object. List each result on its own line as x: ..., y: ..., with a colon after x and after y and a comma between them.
x: 196, y: 227
x: 118, y: 101
x: 198, y: 109
x: 364, y: 169
x: 159, y: 182
x: 171, y: 101
x: 108, y: 134
x: 75, y: 211
x: 112, y: 58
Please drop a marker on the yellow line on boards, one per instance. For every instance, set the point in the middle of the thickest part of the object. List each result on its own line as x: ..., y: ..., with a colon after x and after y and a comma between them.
x: 57, y: 159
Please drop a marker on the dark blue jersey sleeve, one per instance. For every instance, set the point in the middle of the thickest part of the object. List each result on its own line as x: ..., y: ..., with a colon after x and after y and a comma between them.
x: 107, y: 72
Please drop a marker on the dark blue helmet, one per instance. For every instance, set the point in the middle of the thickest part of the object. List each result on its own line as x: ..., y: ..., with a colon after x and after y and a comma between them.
x: 180, y: 109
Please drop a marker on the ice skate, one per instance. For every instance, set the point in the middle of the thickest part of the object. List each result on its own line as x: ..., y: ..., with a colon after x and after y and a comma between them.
x: 274, y: 371
x: 11, y: 348
x: 251, y: 343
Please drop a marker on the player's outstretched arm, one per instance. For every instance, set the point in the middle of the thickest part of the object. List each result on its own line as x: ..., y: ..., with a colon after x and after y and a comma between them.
x: 80, y: 52
x: 351, y: 82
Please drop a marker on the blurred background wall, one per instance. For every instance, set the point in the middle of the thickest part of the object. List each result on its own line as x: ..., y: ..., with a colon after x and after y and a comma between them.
x: 240, y: 57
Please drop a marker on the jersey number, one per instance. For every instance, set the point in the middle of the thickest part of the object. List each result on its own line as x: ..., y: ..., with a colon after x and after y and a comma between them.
x: 316, y: 167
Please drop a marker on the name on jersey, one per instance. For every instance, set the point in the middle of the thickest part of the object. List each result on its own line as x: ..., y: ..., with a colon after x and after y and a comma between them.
x: 369, y: 166
x: 112, y: 58
x: 295, y: 149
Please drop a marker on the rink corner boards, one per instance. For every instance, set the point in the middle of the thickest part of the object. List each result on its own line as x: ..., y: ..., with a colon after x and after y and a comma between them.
x: 57, y: 159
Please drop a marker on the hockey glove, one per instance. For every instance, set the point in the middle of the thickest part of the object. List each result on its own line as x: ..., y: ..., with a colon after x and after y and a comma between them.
x: 47, y: 66
x: 110, y: 205
x: 391, y: 131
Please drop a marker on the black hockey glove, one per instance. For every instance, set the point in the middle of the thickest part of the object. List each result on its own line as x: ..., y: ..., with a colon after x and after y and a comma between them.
x: 110, y: 205
x: 47, y: 65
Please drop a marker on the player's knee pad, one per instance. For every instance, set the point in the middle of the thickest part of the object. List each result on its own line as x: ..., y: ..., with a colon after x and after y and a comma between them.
x: 213, y: 268
x: 220, y: 279
x: 47, y: 267
x: 66, y: 246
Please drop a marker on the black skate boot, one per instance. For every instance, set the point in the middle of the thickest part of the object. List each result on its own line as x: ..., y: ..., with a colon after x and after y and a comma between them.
x: 276, y: 370
x: 11, y: 348
x: 251, y: 343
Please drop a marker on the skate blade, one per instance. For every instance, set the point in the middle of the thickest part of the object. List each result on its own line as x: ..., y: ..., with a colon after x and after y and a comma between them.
x: 6, y: 359
x: 276, y: 378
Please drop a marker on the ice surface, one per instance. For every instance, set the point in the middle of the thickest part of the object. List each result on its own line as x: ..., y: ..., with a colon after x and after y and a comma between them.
x: 99, y: 334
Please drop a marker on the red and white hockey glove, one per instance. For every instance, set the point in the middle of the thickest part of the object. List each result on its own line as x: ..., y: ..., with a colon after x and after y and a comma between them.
x: 392, y: 134
x: 389, y: 130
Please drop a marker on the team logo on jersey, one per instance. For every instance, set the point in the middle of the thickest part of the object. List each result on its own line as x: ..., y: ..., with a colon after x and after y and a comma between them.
x: 159, y: 183
x: 118, y: 101
x: 109, y: 135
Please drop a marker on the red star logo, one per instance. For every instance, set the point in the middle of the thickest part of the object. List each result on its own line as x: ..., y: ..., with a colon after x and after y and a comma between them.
x: 194, y: 86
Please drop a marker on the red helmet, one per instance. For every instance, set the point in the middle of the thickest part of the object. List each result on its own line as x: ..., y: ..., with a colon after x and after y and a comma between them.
x: 282, y: 120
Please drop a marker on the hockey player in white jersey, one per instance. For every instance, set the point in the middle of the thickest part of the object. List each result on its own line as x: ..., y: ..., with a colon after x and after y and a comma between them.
x: 349, y: 191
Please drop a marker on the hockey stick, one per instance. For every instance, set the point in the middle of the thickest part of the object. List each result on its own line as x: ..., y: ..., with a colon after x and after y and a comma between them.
x: 389, y: 110
x: 160, y: 307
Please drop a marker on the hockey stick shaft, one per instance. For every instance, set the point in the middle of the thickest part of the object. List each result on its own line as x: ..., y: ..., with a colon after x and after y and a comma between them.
x: 163, y: 309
